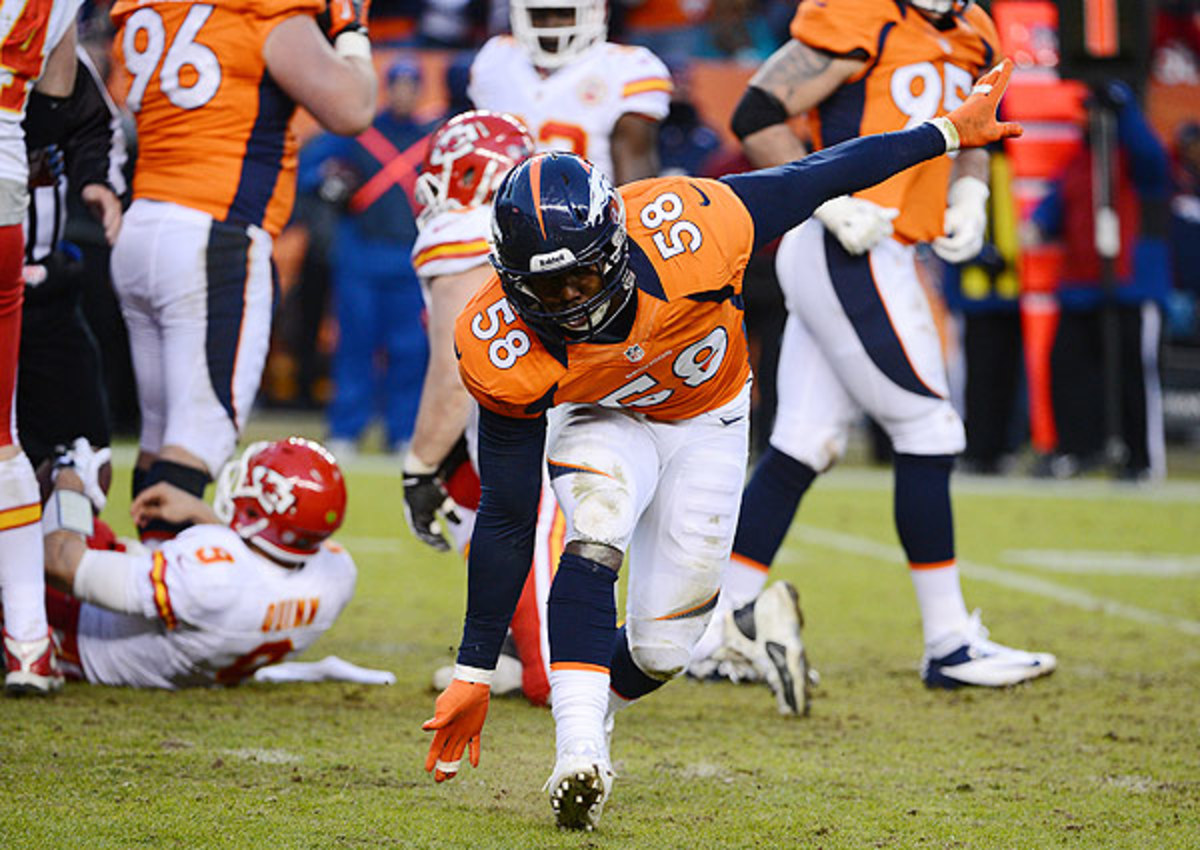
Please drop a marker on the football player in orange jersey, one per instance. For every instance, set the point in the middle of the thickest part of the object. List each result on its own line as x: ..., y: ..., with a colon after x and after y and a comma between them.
x: 611, y: 338
x: 466, y: 159
x: 37, y: 46
x: 859, y: 334
x: 213, y: 87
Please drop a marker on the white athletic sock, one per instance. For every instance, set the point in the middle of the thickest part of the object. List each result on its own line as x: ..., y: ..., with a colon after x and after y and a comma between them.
x: 579, y: 700
x: 740, y: 583
x: 939, y: 596
x: 22, y: 580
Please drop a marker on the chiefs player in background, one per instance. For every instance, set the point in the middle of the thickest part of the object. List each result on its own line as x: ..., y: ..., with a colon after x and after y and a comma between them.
x: 860, y: 334
x: 250, y: 581
x: 610, y: 346
x: 574, y: 90
x: 213, y: 88
x: 468, y: 156
x: 38, y: 45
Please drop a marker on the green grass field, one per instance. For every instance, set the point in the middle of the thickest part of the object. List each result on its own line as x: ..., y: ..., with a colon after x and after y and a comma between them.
x: 1104, y: 753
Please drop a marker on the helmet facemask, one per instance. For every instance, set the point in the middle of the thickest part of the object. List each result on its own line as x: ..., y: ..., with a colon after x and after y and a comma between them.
x: 467, y: 158
x: 285, y: 497
x: 943, y: 10
x: 552, y: 46
x: 582, y: 321
x: 584, y: 232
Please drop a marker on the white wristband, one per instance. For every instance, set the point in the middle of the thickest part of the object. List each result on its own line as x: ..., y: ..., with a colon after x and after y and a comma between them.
x: 415, y: 466
x: 475, y: 675
x: 351, y: 44
x: 68, y: 510
x: 948, y: 130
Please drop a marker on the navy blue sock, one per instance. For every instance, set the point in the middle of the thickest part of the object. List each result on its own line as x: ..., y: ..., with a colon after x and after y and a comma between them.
x: 582, y: 612
x: 628, y: 680
x: 769, y: 504
x: 921, y: 503
x: 139, y: 480
x: 185, y: 478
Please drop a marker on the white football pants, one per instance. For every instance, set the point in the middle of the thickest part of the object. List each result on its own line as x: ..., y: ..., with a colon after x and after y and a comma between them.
x: 860, y: 336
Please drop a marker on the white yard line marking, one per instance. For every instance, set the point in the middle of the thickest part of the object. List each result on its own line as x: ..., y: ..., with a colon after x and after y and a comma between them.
x: 853, y: 478
x: 1085, y: 562
x: 1016, y: 581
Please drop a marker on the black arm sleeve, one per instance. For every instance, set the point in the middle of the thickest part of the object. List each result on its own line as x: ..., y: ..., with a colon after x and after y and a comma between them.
x: 510, y: 471
x: 94, y: 133
x: 782, y: 197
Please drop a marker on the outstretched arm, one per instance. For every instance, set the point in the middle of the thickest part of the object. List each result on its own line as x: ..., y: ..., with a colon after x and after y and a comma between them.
x: 859, y: 163
x: 510, y: 470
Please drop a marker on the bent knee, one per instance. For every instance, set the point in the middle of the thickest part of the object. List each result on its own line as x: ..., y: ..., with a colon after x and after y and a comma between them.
x: 939, y: 431
x: 662, y: 661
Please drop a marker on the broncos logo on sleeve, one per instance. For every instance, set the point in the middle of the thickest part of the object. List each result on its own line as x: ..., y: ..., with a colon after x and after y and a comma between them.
x: 690, y: 240
x: 914, y: 72
x: 213, y: 127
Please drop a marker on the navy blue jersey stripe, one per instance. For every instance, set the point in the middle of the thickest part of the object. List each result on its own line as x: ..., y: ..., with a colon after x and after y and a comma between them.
x: 644, y: 273
x: 842, y: 112
x: 855, y: 289
x: 227, y: 258
x: 264, y: 155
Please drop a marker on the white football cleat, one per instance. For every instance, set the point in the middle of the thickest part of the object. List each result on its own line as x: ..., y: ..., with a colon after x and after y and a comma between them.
x: 969, y: 658
x: 767, y: 632
x: 31, y: 666
x: 579, y: 788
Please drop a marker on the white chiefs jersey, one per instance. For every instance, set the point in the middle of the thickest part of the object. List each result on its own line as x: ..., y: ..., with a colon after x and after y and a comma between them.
x: 213, y: 612
x: 29, y: 30
x: 452, y: 242
x: 576, y: 107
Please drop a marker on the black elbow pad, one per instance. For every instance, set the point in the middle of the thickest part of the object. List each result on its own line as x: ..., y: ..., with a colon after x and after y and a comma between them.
x: 45, y: 120
x: 757, y: 110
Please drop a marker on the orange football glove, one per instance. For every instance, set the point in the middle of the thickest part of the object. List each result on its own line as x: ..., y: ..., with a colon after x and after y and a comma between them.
x: 341, y: 16
x: 975, y: 120
x: 457, y: 722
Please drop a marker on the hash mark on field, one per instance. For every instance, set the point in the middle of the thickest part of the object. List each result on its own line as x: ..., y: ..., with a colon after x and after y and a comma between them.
x: 1016, y: 581
x: 1104, y: 562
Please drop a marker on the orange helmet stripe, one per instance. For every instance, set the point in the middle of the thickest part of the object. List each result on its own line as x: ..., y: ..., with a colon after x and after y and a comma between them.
x: 535, y: 188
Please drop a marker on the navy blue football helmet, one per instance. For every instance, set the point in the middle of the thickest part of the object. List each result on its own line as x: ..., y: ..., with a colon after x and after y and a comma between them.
x: 555, y: 214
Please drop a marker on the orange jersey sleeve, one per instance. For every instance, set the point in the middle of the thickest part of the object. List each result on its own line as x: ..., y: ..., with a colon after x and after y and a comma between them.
x: 214, y: 130
x: 690, y: 240
x: 914, y: 72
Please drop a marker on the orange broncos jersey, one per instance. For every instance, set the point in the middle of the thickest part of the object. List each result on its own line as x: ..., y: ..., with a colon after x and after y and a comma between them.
x: 690, y: 240
x: 214, y: 130
x: 914, y: 72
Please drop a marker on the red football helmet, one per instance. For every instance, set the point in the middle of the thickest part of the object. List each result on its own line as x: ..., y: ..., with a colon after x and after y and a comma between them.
x: 468, y: 156
x: 284, y: 497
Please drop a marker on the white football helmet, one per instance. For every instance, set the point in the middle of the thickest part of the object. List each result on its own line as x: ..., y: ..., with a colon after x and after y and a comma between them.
x: 941, y: 7
x: 553, y: 47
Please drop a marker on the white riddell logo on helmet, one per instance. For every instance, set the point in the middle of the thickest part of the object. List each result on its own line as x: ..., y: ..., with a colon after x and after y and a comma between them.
x: 274, y: 490
x: 553, y: 260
